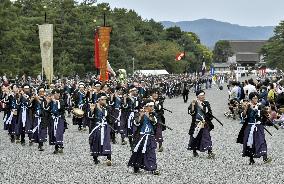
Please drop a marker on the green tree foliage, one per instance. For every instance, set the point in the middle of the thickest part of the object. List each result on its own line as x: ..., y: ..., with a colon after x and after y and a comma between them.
x: 152, y: 46
x: 222, y: 50
x: 273, y: 51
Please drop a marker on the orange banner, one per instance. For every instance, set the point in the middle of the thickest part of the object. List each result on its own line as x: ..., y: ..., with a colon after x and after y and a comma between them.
x: 104, y: 39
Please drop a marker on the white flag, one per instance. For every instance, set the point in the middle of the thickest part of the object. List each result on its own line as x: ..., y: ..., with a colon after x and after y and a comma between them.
x: 46, y: 48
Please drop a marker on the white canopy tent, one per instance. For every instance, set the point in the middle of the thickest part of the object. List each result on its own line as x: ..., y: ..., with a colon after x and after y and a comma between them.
x: 152, y: 72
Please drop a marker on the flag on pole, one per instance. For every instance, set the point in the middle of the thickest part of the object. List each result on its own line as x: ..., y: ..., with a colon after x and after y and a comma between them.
x: 180, y: 56
x: 104, y: 40
x: 46, y: 48
x: 110, y: 70
x: 212, y: 70
x: 96, y: 51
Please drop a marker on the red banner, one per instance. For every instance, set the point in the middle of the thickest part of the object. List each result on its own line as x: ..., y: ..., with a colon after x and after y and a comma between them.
x: 179, y: 56
x: 96, y: 50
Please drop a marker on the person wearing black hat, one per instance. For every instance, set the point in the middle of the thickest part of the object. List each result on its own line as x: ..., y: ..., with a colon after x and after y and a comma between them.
x: 252, y: 134
x: 144, y: 152
x: 99, y: 136
x: 201, y: 125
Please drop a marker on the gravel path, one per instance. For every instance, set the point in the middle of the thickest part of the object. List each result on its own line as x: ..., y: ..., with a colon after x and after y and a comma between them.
x: 20, y: 164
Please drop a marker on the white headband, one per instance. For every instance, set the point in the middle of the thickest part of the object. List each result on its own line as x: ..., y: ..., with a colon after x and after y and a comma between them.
x: 201, y: 94
x: 150, y: 104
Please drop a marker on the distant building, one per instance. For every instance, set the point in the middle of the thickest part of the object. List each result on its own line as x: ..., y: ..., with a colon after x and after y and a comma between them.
x: 246, y: 52
x: 221, y: 67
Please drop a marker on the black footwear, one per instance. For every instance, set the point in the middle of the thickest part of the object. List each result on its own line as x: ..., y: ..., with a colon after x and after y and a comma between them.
x: 211, y: 155
x: 96, y: 161
x: 136, y: 169
x: 55, y: 152
x: 195, y: 154
x: 23, y: 143
x: 161, y: 149
x: 251, y: 161
x: 40, y: 148
x: 12, y: 140
x: 31, y: 143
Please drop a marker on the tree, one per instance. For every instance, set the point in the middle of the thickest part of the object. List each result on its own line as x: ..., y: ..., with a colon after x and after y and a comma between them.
x: 173, y: 33
x: 273, y: 50
x: 152, y: 46
x: 222, y: 50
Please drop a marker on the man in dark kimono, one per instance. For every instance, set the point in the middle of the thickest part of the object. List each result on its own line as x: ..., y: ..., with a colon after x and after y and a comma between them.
x: 200, y: 138
x: 185, y: 93
x: 56, y: 126
x: 252, y: 134
x: 159, y: 112
x: 115, y: 108
x: 12, y: 117
x: 79, y: 99
x: 99, y: 137
x: 144, y: 155
x: 41, y: 118
x: 25, y: 115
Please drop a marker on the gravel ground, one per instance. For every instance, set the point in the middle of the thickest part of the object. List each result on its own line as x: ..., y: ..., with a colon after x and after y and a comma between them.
x: 24, y: 164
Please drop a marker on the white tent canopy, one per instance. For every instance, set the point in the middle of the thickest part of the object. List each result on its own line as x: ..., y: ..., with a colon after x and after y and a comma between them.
x: 152, y: 72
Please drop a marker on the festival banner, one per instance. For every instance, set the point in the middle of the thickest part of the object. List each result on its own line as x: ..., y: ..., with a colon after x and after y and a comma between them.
x: 104, y: 39
x: 180, y: 56
x: 96, y: 50
x: 46, y: 48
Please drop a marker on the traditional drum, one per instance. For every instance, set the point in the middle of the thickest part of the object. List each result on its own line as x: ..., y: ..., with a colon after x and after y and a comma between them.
x: 78, y: 113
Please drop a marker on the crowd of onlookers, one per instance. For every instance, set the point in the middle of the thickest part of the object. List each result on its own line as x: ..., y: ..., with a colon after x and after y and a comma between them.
x: 270, y: 93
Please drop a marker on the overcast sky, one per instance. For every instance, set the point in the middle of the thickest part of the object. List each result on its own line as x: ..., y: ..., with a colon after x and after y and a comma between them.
x: 242, y: 12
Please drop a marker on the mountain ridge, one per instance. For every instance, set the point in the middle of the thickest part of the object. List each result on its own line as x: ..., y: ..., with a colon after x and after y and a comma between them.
x: 210, y: 30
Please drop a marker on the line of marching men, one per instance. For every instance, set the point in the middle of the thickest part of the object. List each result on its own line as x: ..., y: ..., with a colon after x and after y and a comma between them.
x: 136, y: 114
x: 36, y: 114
